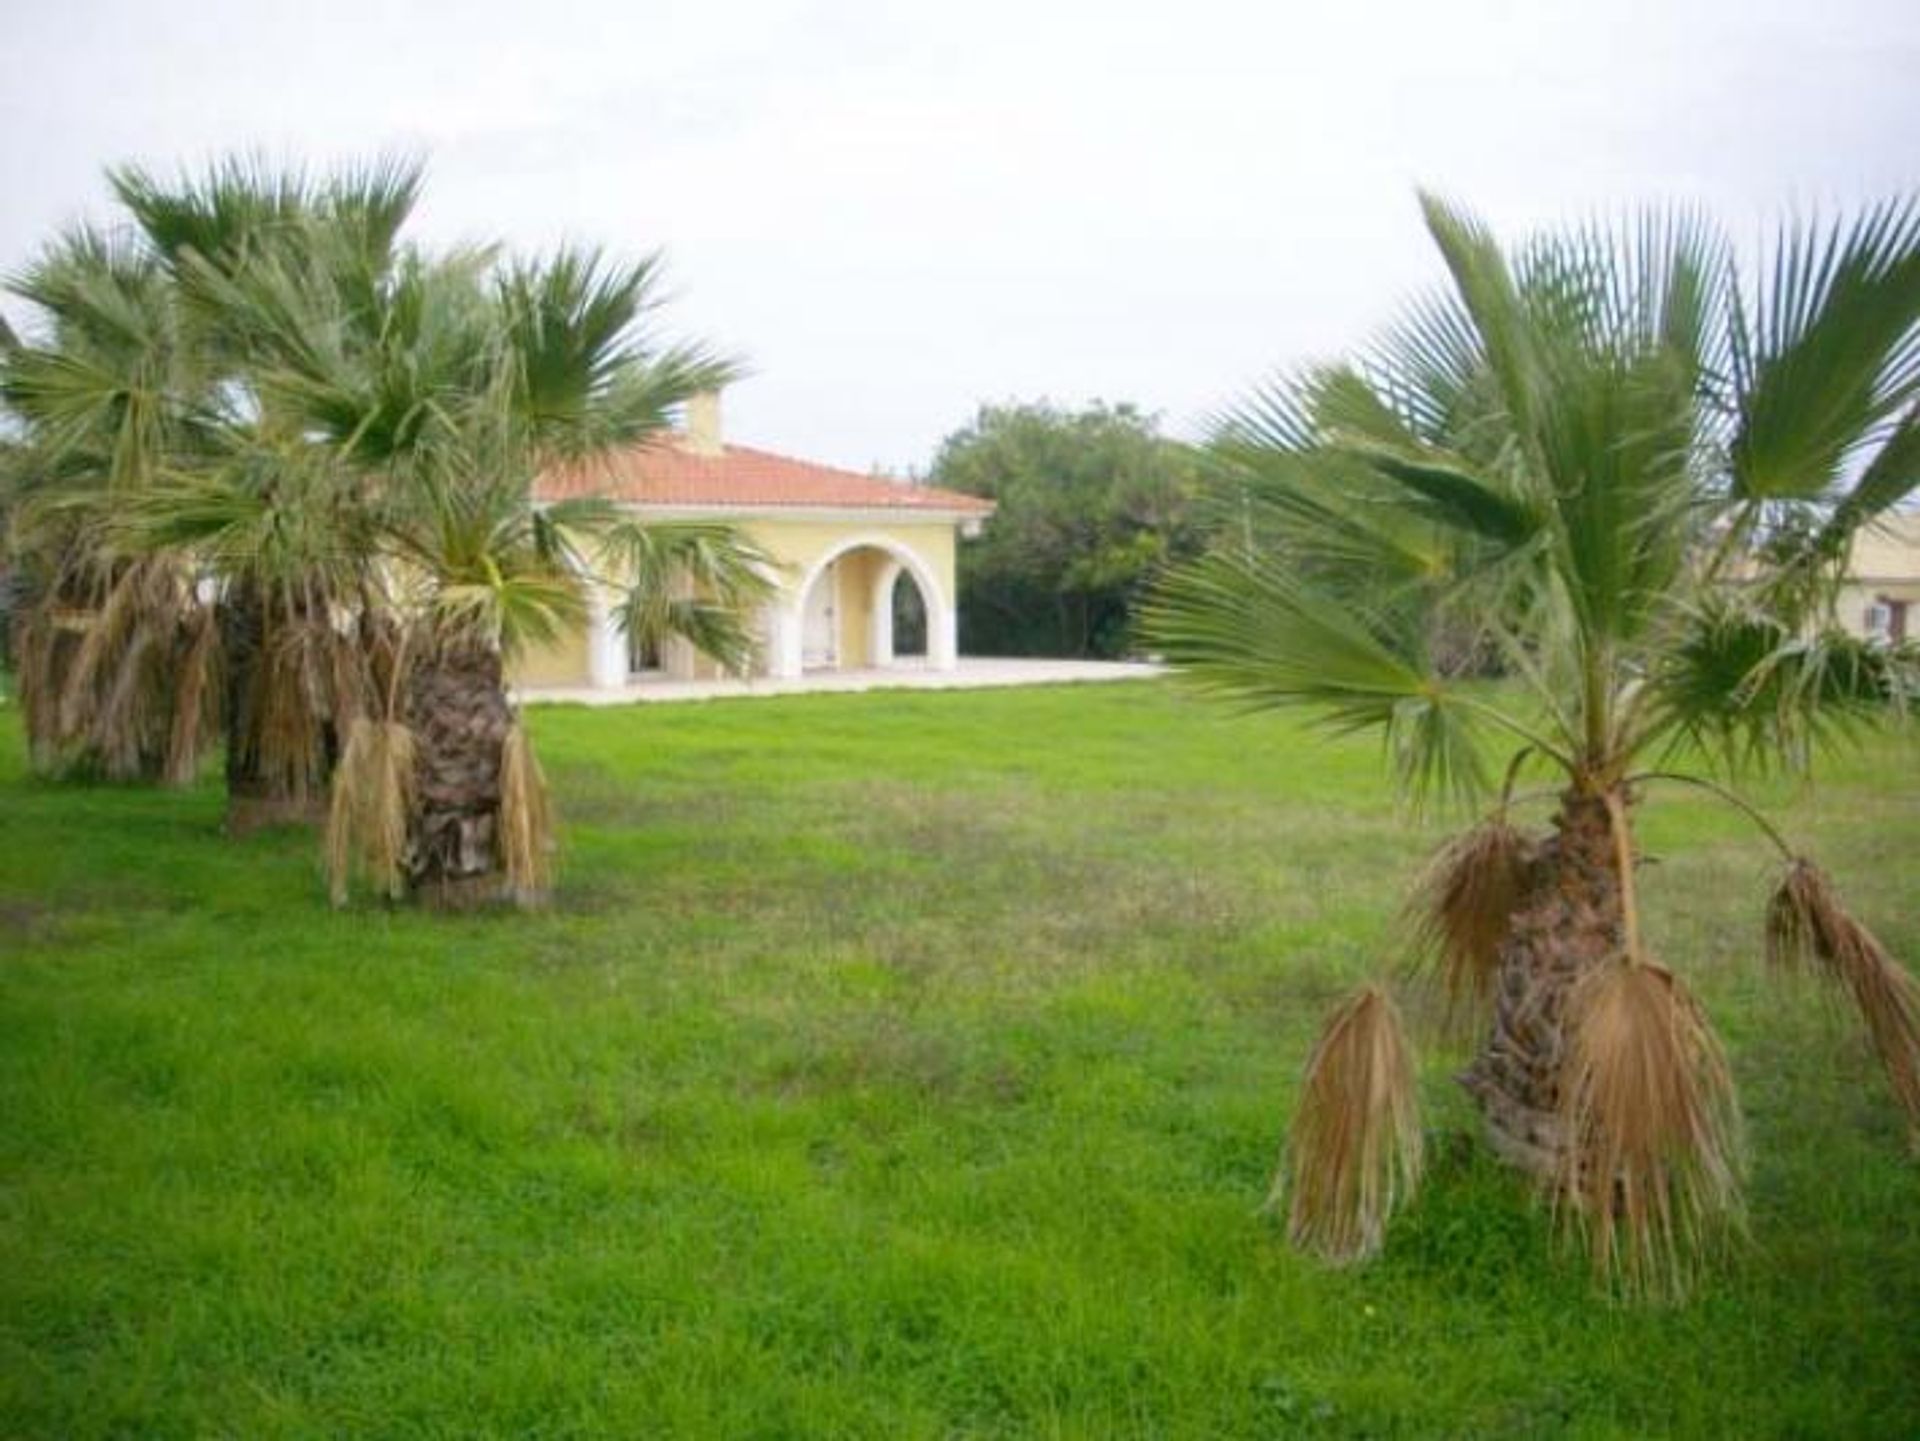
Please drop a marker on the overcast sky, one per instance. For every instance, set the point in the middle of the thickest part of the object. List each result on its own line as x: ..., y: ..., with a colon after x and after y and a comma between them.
x: 897, y: 211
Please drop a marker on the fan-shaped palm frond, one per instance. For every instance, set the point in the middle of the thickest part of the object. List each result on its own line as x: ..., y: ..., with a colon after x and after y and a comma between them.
x: 586, y: 377
x: 700, y: 581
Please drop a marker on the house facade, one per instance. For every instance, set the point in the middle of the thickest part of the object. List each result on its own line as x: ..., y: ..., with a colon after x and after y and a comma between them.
x: 1881, y: 594
x: 851, y: 551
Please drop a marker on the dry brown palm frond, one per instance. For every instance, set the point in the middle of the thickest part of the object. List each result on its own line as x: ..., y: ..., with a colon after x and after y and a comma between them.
x: 1801, y: 906
x: 115, y: 680
x: 123, y: 725
x: 1806, y: 923
x: 1463, y: 908
x: 111, y: 626
x: 1654, y: 1159
x: 372, y: 801
x: 1355, y: 1148
x: 37, y: 642
x: 195, y: 699
x: 290, y: 706
x: 349, y: 690
x: 526, y: 831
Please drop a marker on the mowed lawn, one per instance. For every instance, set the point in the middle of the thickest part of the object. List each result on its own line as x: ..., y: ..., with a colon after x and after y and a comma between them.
x: 893, y: 1065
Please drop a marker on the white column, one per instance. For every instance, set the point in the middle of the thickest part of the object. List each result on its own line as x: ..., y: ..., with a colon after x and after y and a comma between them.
x: 783, y: 639
x: 880, y: 617
x: 606, y: 644
x: 943, y: 633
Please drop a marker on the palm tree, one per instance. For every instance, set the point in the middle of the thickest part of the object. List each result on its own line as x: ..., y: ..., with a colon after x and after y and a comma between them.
x: 482, y: 571
x: 1628, y: 475
x: 142, y: 393
x: 280, y: 458
x: 261, y: 258
x: 113, y: 646
x: 479, y: 378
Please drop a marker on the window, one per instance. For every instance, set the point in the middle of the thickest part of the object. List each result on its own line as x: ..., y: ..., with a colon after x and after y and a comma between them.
x: 1887, y: 620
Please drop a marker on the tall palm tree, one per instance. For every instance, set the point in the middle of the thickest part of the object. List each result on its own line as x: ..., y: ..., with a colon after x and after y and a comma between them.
x: 1627, y: 474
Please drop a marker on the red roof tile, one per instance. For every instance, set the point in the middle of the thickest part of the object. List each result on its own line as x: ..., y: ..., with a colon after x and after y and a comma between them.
x: 665, y: 472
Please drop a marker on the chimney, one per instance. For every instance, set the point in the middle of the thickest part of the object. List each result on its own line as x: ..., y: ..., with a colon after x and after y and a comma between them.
x: 703, y: 423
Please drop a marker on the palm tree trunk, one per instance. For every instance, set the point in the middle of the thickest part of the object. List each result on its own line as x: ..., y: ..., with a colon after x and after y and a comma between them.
x: 1569, y: 922
x: 278, y: 750
x: 458, y: 711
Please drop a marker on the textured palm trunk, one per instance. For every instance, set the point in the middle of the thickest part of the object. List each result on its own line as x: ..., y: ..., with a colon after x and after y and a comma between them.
x: 458, y: 711
x: 269, y: 781
x: 1569, y: 922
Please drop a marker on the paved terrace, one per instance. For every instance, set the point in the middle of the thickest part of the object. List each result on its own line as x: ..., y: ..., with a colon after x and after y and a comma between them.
x: 970, y: 674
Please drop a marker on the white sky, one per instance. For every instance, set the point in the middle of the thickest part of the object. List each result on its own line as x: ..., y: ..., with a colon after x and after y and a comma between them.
x: 895, y: 212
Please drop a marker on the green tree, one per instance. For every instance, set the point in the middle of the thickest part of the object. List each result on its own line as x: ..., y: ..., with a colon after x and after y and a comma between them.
x: 1092, y: 504
x: 1633, y: 472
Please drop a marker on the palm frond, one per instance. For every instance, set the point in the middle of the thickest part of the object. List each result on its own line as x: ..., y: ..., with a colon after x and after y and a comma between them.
x: 1654, y: 1159
x: 1807, y: 924
x: 367, y: 819
x: 1240, y: 626
x: 525, y: 834
x: 1489, y: 300
x: 585, y: 380
x: 1756, y: 694
x: 1830, y: 351
x: 1354, y: 1150
x: 1463, y: 909
x: 700, y: 581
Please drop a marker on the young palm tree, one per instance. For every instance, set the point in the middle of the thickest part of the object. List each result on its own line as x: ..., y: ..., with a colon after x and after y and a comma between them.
x: 519, y: 368
x: 480, y: 572
x: 1608, y: 462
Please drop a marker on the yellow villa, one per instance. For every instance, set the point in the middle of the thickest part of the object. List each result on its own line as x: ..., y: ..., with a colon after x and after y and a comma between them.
x: 845, y: 544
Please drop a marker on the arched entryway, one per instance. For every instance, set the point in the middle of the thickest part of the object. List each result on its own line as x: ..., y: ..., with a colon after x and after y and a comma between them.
x: 841, y: 613
x: 909, y: 609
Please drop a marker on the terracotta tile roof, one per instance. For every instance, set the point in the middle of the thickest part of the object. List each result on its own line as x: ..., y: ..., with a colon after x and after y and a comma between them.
x: 665, y: 472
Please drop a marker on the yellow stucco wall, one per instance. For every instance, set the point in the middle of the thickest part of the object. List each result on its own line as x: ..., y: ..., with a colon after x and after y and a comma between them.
x: 1884, y: 565
x: 857, y: 573
x: 560, y: 662
x: 1888, y: 549
x: 799, y: 546
x: 1851, y: 607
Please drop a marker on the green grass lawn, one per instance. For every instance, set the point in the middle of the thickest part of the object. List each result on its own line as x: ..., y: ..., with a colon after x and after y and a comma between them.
x: 898, y: 1065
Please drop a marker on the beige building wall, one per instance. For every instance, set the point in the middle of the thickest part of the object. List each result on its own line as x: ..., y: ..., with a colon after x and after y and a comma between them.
x: 1884, y: 569
x: 803, y: 544
x: 801, y: 548
x: 1856, y: 603
x: 559, y: 662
